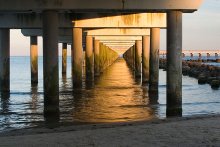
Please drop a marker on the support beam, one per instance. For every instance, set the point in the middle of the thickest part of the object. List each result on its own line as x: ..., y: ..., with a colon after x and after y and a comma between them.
x: 117, y: 38
x: 4, y: 60
x: 64, y: 58
x: 100, y: 5
x: 138, y: 51
x: 89, y: 58
x: 174, y: 63
x: 96, y: 58
x: 118, y: 32
x: 145, y: 58
x: 34, y: 59
x: 77, y: 57
x: 154, y: 63
x: 50, y: 63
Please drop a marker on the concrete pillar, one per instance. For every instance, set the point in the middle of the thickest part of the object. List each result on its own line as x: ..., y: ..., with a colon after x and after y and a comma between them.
x: 133, y: 58
x: 200, y: 56
x: 34, y: 60
x: 50, y: 62
x: 77, y: 57
x: 183, y: 55
x: 138, y: 51
x: 64, y: 58
x: 208, y: 55
x: 174, y: 63
x: 154, y: 61
x: 89, y: 58
x: 145, y: 58
x: 191, y: 55
x: 96, y: 58
x: 5, y: 60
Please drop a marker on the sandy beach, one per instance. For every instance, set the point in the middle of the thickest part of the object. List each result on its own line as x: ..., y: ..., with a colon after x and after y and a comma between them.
x: 194, y: 131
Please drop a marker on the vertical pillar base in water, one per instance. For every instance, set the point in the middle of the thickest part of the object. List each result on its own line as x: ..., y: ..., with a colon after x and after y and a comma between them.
x: 154, y: 63
x: 174, y: 63
x: 50, y: 63
x: 77, y: 57
x: 89, y: 59
x: 138, y: 51
x: 4, y: 60
x: 96, y: 58
x: 64, y: 58
x: 145, y: 58
x: 34, y: 60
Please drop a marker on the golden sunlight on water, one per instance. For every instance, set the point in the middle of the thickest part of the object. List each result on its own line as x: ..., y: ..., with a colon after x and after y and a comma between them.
x: 116, y: 97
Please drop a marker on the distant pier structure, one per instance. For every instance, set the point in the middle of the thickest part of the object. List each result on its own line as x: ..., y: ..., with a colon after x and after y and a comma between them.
x: 103, y: 29
x: 205, y: 53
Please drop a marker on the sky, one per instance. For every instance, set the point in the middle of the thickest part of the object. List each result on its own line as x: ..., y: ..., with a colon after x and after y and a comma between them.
x: 201, y: 31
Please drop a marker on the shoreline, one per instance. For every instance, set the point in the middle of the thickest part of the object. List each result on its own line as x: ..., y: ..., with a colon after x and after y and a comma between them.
x: 66, y: 127
x: 187, y: 131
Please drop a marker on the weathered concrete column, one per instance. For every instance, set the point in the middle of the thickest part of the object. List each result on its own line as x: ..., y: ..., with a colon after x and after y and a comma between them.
x: 133, y: 57
x: 4, y: 60
x: 96, y: 58
x: 145, y: 58
x: 174, y: 63
x: 77, y: 57
x: 138, y: 51
x: 89, y: 58
x: 154, y: 61
x: 64, y: 58
x: 50, y: 62
x: 34, y: 60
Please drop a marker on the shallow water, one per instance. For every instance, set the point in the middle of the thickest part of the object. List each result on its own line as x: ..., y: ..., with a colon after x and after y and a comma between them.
x: 116, y: 96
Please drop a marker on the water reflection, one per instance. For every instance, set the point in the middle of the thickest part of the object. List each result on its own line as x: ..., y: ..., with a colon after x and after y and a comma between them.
x: 116, y: 97
x: 5, y: 100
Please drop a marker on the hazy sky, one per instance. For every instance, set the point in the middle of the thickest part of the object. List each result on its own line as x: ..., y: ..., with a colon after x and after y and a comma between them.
x: 201, y: 30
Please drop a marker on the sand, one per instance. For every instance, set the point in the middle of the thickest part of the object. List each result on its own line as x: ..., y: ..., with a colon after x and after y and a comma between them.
x: 196, y: 131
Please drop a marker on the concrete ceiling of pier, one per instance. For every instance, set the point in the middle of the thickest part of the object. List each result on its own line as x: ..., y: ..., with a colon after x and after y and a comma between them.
x: 94, y: 13
x: 126, y: 6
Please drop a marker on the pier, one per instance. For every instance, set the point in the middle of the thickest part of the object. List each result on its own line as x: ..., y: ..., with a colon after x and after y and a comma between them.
x: 103, y: 30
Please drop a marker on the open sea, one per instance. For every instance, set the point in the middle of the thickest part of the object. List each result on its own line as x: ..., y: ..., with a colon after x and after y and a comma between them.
x: 115, y: 96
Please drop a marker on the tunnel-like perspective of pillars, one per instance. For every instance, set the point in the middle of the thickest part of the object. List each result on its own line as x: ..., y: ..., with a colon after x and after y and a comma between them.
x: 106, y: 57
x: 96, y: 58
x: 145, y: 58
x: 64, y: 58
x: 77, y: 57
x: 154, y: 62
x: 138, y: 52
x: 130, y: 57
x: 4, y: 60
x: 89, y: 59
x: 174, y: 63
x: 50, y: 63
x: 34, y: 59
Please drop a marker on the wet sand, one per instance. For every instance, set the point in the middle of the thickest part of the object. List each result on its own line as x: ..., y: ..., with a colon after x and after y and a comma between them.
x: 194, y: 131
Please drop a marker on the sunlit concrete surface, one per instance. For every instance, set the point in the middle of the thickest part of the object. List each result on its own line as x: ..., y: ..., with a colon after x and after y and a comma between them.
x: 140, y: 20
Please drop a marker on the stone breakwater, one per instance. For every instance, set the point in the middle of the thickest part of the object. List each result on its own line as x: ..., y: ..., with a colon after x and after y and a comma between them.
x: 204, y: 73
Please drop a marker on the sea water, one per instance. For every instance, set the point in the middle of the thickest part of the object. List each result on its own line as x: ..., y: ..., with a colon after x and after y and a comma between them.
x: 115, y: 96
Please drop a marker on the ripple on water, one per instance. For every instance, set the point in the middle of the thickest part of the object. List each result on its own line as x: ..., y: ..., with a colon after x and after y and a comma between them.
x: 114, y: 97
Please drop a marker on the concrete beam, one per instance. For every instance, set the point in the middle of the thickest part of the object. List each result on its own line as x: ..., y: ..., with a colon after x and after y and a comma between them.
x: 34, y: 20
x: 118, y: 44
x: 118, y: 32
x: 117, y: 38
x: 140, y: 20
x: 39, y: 32
x: 99, y: 5
x: 30, y: 20
x: 115, y: 41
